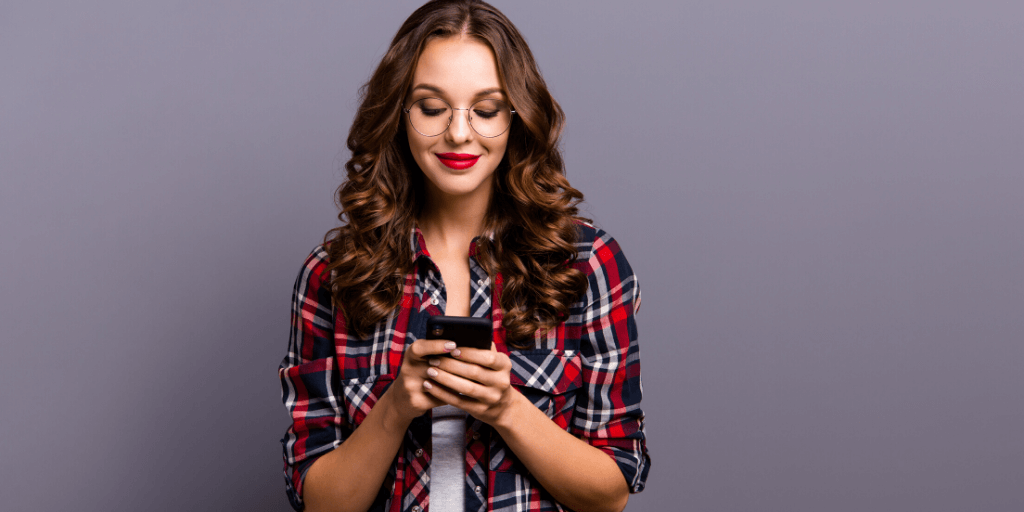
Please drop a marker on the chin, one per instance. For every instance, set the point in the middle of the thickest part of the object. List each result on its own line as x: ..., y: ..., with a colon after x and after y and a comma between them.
x: 460, y: 185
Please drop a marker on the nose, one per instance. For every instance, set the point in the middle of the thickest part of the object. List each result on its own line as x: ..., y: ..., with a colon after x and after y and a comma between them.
x: 459, y: 131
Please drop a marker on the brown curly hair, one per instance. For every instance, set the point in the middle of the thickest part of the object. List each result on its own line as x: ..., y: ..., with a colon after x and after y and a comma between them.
x: 533, y: 211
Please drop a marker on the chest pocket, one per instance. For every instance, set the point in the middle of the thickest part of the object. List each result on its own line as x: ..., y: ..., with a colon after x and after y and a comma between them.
x: 548, y: 378
x: 551, y: 380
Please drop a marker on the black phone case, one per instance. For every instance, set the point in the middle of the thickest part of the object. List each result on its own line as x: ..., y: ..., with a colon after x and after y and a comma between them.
x: 464, y: 331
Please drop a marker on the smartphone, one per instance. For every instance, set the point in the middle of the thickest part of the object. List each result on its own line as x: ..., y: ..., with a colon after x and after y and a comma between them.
x: 464, y: 331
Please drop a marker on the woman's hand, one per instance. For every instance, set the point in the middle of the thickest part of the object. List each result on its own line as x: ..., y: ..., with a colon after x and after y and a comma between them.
x: 474, y: 380
x: 409, y: 394
x: 477, y: 381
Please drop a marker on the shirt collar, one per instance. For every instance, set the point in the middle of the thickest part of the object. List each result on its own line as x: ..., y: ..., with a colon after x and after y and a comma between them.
x: 419, y: 244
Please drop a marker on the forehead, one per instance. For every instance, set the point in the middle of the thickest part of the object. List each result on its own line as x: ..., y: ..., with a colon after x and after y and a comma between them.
x: 457, y: 66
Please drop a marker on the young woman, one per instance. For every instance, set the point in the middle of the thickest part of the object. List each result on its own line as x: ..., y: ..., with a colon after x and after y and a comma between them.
x: 456, y: 204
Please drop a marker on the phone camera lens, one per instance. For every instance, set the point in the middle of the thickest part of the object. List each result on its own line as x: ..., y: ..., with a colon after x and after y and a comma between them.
x: 438, y: 331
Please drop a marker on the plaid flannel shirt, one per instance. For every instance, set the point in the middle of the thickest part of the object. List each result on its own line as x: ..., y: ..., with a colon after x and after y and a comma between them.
x: 584, y: 374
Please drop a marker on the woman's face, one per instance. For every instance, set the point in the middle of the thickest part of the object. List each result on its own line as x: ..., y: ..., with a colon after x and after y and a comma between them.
x: 458, y: 162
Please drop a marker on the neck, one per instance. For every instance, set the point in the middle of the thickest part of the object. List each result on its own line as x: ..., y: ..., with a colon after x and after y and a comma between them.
x: 449, y: 223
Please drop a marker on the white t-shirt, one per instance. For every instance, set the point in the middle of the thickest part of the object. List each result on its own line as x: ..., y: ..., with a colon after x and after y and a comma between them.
x: 448, y: 460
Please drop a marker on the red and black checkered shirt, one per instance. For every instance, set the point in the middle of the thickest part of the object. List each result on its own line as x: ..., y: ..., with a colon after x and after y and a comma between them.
x: 585, y: 375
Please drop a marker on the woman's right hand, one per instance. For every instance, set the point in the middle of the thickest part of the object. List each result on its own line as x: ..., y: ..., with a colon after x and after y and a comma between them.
x: 409, y: 396
x: 349, y: 476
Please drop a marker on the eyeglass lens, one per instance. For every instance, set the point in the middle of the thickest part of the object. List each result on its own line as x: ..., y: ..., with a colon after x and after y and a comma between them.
x: 431, y: 116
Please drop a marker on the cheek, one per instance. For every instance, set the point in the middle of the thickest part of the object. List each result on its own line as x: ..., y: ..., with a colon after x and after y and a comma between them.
x: 415, y: 139
x: 498, y: 147
x: 418, y: 144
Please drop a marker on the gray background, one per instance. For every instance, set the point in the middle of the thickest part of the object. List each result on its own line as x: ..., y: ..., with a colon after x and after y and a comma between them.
x: 823, y: 203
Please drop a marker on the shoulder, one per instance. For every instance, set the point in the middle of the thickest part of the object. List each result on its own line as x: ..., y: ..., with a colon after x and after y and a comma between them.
x: 596, y: 249
x: 318, y: 257
x: 601, y: 259
x: 314, y: 272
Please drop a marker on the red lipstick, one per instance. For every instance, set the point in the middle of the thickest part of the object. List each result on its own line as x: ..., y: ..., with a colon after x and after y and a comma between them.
x: 457, y: 161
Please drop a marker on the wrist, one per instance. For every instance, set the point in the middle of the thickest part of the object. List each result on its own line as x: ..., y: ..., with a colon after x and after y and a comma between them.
x: 392, y: 418
x: 513, y: 413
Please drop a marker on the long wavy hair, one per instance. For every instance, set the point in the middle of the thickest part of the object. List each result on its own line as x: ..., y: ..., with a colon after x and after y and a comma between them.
x: 533, y: 210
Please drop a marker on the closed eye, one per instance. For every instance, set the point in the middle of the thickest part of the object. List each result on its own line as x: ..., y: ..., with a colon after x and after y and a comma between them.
x: 432, y: 107
x: 433, y: 112
x: 486, y: 114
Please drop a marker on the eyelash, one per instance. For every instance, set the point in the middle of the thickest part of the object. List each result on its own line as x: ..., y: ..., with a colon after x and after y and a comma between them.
x: 434, y: 112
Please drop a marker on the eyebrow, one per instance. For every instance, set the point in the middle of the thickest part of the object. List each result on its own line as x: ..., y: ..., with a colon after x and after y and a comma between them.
x: 436, y: 89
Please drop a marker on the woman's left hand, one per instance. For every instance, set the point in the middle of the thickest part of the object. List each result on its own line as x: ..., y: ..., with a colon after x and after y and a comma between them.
x: 474, y: 380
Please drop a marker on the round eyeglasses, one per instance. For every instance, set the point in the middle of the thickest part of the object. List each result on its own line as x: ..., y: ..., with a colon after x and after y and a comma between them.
x: 430, y: 117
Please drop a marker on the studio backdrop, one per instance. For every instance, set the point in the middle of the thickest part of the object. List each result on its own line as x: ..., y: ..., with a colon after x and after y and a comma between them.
x: 822, y: 202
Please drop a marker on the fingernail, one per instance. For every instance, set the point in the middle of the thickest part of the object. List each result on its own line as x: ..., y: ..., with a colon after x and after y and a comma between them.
x: 456, y: 352
x: 435, y: 362
x: 432, y: 372
x: 427, y: 384
x: 449, y: 345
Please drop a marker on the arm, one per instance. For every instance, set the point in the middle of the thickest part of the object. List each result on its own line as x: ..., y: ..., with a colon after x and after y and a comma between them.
x: 330, y: 466
x: 576, y: 474
x: 349, y: 477
x: 609, y: 416
x: 307, y: 388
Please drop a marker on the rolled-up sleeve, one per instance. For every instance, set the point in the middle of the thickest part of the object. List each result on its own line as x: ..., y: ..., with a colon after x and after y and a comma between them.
x: 309, y: 380
x: 608, y: 414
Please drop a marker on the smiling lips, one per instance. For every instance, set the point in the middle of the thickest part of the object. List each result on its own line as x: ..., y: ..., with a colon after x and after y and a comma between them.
x: 457, y: 160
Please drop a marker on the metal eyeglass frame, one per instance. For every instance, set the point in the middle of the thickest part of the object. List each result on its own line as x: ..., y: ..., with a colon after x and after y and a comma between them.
x: 469, y: 117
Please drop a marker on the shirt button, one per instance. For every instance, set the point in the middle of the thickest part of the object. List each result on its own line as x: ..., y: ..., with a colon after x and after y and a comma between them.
x: 476, y: 436
x: 419, y: 453
x: 480, y: 282
x: 415, y: 508
x: 477, y: 489
x: 434, y: 301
